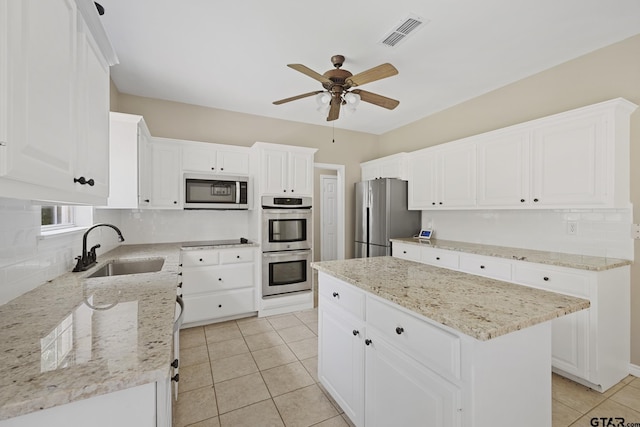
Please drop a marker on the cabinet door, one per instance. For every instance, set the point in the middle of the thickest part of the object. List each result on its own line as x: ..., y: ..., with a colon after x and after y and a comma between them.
x: 341, y: 360
x: 300, y: 174
x: 503, y: 170
x: 401, y: 392
x: 274, y: 171
x: 457, y: 176
x: 569, y: 161
x: 41, y: 59
x: 422, y: 185
x: 145, y: 170
x: 232, y: 162
x: 199, y: 159
x: 165, y: 176
x: 570, y: 343
x: 93, y: 112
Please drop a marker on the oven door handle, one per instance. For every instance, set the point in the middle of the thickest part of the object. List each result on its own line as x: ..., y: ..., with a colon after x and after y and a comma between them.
x: 286, y: 253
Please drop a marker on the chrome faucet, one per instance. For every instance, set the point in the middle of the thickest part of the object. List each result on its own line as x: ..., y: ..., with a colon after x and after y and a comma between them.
x: 87, y: 259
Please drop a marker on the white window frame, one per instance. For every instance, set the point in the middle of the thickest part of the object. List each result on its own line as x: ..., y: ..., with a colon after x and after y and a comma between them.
x: 81, y: 219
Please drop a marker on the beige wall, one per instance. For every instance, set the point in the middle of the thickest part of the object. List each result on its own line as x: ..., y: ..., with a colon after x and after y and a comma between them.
x: 605, y: 74
x: 181, y: 121
x: 608, y: 73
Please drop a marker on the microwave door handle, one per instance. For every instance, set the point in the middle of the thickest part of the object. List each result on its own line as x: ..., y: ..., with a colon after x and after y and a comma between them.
x: 237, y: 191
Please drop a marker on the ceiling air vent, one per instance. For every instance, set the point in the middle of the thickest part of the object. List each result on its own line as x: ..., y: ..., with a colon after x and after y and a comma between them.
x: 401, y: 31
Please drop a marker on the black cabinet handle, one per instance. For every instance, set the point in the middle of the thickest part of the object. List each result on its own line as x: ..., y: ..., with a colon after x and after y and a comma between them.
x: 221, y: 169
x: 482, y: 267
x: 175, y: 378
x: 535, y: 200
x: 83, y: 181
x: 175, y: 202
x: 404, y: 252
x: 146, y: 200
x: 399, y: 330
x: 546, y: 279
x: 174, y: 364
x: 213, y: 169
x: 433, y: 203
x: 180, y: 274
x: 219, y: 279
x: 200, y: 259
x: 180, y: 295
x: 367, y: 341
x: 219, y: 305
x: 437, y: 258
x: 238, y: 256
x: 336, y: 295
x: 521, y: 200
x: 179, y: 265
x: 292, y: 191
x: 180, y: 284
x: 355, y: 332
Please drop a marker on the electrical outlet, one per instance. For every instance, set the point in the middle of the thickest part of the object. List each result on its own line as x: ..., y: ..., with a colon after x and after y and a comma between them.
x: 635, y: 231
x: 572, y: 227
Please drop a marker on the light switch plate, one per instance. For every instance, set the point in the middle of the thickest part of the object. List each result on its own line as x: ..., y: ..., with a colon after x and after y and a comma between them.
x: 635, y: 231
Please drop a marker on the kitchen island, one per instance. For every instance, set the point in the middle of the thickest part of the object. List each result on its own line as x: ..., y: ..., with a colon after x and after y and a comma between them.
x: 98, y: 348
x: 404, y: 343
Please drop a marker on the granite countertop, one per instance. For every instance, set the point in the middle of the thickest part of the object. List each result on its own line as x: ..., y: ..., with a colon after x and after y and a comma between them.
x: 73, y: 338
x: 217, y: 244
x: 582, y: 262
x: 477, y: 306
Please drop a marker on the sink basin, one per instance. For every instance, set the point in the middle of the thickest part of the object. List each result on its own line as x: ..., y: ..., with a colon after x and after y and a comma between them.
x: 119, y: 268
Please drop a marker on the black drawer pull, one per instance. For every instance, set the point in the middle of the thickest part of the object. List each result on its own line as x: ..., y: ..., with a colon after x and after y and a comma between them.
x: 482, y: 267
x: 521, y: 200
x: 238, y: 256
x: 355, y: 332
x: 399, y: 330
x: 219, y: 279
x: 546, y: 279
x: 404, y: 252
x: 174, y: 364
x: 336, y: 295
x: 175, y: 378
x: 535, y: 200
x: 437, y: 258
x: 180, y: 284
x: 367, y: 341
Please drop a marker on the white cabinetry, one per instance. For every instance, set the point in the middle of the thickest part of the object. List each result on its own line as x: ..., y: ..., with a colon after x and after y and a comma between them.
x: 590, y: 346
x: 285, y: 169
x: 394, y: 166
x: 55, y: 101
x: 129, y: 138
x: 217, y: 284
x: 203, y: 157
x: 443, y: 177
x: 160, y: 175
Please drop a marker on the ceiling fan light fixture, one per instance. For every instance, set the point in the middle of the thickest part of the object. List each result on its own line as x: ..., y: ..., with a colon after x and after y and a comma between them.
x: 323, y: 99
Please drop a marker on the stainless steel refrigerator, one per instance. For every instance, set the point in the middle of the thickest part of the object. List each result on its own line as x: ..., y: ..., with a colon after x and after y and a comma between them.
x: 382, y: 214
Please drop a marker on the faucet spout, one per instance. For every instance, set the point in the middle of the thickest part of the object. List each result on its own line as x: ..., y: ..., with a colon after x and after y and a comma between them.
x: 86, y: 260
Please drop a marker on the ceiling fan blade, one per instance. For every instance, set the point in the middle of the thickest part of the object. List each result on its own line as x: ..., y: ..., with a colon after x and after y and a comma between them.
x: 309, y: 72
x: 374, y: 98
x: 373, y: 74
x: 334, y: 111
x: 293, y: 98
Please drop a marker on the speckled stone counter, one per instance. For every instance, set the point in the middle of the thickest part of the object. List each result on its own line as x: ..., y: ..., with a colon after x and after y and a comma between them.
x: 480, y: 307
x: 73, y: 338
x: 582, y: 262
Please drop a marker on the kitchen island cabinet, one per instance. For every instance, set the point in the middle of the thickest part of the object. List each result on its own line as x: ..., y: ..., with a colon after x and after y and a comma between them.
x: 590, y: 347
x: 81, y: 351
x: 441, y: 347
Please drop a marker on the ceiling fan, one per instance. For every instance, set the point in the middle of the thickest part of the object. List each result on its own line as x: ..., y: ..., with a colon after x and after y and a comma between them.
x: 338, y: 86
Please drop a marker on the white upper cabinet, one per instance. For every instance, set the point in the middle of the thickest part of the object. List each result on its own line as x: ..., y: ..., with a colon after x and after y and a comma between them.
x: 443, y: 178
x: 285, y: 170
x: 575, y: 159
x: 204, y: 157
x: 55, y: 101
x: 129, y: 138
x: 165, y: 182
x: 394, y: 166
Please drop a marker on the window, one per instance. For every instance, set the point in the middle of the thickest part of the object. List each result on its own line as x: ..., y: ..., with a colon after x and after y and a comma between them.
x: 55, y: 217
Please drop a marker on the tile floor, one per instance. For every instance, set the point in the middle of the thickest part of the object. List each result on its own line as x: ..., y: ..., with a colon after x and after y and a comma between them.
x: 263, y: 372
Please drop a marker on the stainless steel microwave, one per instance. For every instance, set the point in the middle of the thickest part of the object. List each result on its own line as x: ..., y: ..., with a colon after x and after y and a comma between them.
x: 203, y: 191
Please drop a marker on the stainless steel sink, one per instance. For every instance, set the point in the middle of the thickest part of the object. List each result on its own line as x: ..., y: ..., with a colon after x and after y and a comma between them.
x: 119, y: 268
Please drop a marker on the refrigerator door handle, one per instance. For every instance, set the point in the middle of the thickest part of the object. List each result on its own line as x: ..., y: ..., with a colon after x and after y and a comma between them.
x: 368, y: 232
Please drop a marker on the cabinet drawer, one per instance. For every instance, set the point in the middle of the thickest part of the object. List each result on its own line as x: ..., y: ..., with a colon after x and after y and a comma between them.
x: 439, y: 258
x: 486, y: 266
x: 196, y: 280
x: 433, y: 347
x: 199, y: 257
x: 339, y: 294
x: 218, y: 305
x: 232, y: 256
x: 556, y: 280
x: 404, y: 251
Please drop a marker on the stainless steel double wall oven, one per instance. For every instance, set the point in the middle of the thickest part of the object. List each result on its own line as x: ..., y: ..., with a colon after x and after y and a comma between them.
x: 286, y: 245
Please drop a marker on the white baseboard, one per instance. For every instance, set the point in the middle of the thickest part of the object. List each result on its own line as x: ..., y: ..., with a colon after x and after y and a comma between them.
x: 634, y: 370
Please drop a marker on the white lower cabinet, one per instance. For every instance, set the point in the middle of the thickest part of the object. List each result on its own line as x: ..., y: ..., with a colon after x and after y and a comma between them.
x: 589, y: 346
x: 217, y: 284
x: 388, y: 366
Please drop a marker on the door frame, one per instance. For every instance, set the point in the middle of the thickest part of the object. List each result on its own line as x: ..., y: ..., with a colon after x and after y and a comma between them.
x: 340, y: 204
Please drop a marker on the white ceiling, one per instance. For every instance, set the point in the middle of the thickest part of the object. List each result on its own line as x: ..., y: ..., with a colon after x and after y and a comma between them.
x: 232, y: 55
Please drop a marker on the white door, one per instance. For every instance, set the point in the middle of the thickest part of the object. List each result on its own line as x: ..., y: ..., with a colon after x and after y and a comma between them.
x: 328, y: 217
